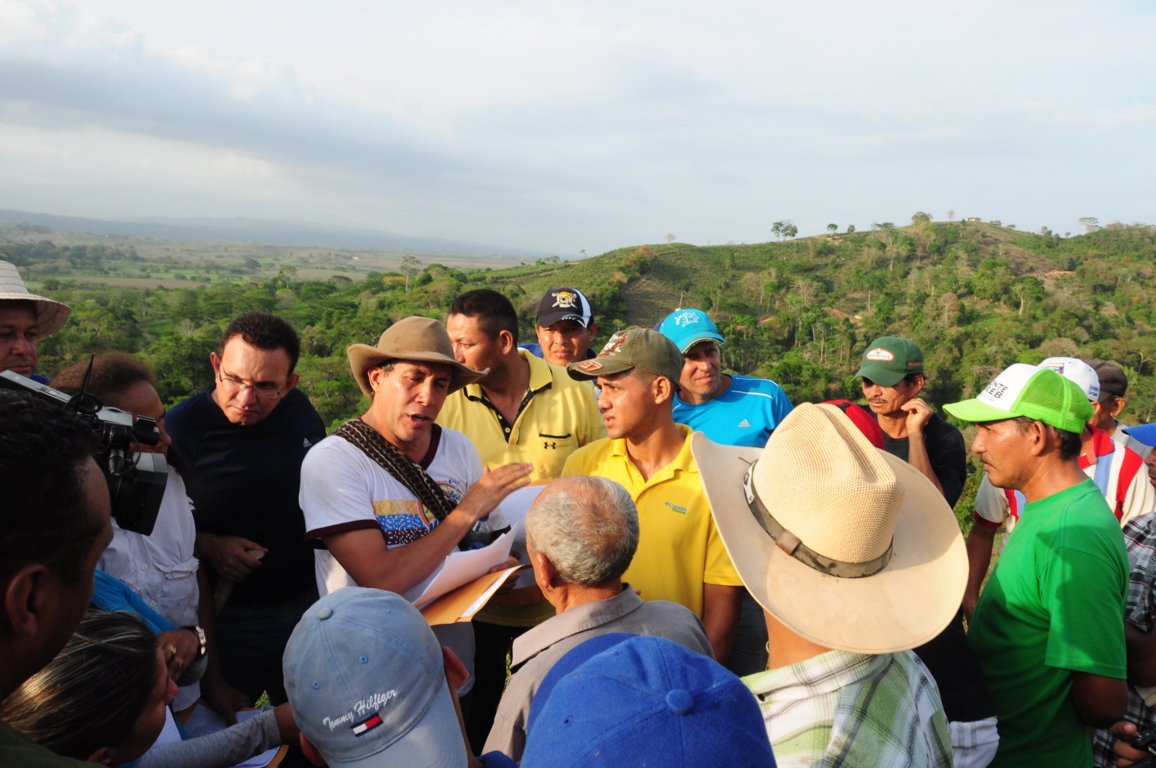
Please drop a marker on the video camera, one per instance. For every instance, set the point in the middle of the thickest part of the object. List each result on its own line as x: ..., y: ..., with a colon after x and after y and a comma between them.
x: 136, y: 480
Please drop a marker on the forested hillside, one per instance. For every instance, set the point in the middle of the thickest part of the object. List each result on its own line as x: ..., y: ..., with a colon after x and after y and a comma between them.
x: 975, y: 296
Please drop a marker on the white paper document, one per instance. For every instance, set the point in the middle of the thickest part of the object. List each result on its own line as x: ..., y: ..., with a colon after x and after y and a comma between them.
x: 515, y: 508
x: 461, y: 568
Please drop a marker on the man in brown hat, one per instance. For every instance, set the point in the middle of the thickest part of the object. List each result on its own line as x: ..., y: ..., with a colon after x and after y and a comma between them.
x: 390, y: 495
x: 680, y: 556
x: 856, y: 558
x: 25, y: 319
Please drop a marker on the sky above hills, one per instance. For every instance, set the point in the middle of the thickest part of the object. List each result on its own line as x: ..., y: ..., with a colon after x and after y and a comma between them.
x: 580, y: 126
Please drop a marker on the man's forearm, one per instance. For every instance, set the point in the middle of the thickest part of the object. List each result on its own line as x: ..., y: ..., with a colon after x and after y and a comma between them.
x: 720, y: 617
x: 1099, y: 701
x: 1141, y: 655
x: 918, y: 458
x: 366, y: 559
x: 980, y: 541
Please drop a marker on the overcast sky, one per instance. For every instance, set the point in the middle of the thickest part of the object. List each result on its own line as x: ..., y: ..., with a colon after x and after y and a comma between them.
x: 571, y: 126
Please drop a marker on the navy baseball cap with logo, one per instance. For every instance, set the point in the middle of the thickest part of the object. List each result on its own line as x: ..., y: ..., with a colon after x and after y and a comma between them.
x: 564, y: 304
x: 889, y: 358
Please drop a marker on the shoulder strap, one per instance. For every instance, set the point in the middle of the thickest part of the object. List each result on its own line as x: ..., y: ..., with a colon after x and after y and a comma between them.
x: 398, y: 465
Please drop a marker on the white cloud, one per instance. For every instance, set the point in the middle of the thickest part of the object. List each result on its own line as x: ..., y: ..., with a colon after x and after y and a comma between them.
x: 573, y: 125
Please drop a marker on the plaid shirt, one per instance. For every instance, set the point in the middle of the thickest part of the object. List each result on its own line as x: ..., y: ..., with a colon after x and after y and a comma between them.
x: 1139, y: 610
x: 851, y: 709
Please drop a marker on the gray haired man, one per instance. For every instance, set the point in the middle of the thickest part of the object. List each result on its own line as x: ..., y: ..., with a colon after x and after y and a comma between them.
x: 581, y: 534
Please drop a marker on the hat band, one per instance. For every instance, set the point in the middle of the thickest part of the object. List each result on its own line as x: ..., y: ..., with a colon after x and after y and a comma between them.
x: 793, y: 546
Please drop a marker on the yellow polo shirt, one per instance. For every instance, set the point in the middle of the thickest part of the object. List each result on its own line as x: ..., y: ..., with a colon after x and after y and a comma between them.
x: 557, y: 416
x: 679, y: 548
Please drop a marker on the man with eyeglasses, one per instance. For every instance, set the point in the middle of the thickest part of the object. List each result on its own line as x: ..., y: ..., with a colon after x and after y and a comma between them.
x: 243, y: 442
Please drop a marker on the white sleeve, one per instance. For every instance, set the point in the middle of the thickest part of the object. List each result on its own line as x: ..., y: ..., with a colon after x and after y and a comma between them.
x: 334, y: 488
x: 990, y: 503
x: 221, y: 749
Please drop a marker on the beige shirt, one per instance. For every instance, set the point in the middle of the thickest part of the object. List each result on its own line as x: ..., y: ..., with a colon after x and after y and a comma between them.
x: 536, y: 652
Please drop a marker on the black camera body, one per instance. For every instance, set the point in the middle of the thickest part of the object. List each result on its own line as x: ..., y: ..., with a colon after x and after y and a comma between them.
x: 1146, y: 740
x: 136, y: 480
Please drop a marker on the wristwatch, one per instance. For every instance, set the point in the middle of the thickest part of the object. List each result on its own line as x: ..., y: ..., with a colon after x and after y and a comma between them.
x: 201, y: 644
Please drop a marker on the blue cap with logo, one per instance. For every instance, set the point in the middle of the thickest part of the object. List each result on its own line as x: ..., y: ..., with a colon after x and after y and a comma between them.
x: 687, y: 327
x: 644, y: 701
x: 366, y: 680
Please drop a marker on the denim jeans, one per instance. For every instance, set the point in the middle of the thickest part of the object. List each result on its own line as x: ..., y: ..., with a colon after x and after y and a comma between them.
x: 251, y: 640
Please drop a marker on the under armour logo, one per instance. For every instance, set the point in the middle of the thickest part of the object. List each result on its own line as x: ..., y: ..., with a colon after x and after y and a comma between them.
x: 548, y: 444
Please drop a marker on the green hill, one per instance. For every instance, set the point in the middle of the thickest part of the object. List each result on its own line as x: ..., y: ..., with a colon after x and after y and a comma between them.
x: 975, y: 296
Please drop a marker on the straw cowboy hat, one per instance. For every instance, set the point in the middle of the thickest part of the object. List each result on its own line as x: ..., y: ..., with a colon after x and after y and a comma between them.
x: 418, y: 339
x: 845, y: 544
x: 50, y: 314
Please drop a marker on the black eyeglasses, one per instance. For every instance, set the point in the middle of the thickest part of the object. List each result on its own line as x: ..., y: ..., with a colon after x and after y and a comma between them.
x: 265, y: 390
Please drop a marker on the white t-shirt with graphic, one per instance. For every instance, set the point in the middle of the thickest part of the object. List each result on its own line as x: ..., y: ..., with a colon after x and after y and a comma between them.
x: 342, y: 489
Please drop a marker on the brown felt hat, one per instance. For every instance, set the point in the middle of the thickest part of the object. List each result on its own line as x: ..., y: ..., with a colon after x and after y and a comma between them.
x: 418, y: 339
x: 845, y: 544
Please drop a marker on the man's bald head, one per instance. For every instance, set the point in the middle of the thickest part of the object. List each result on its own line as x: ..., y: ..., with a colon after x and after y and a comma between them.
x: 586, y: 526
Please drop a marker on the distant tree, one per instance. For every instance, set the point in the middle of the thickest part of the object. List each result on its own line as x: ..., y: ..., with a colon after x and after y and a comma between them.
x: 920, y: 217
x: 1028, y: 290
x: 1089, y: 223
x: 832, y: 228
x: 777, y: 229
x: 789, y: 229
x: 950, y: 214
x: 286, y: 275
x: 410, y: 266
x: 850, y: 228
x: 669, y: 238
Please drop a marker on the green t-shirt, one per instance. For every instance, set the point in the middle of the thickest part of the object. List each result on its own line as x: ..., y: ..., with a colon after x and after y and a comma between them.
x: 1053, y: 605
x: 18, y: 751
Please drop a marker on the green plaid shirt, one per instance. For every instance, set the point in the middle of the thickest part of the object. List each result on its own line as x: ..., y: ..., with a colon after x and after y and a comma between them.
x: 851, y: 709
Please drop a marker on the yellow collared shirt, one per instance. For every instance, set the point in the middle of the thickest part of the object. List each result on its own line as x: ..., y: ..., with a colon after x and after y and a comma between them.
x: 558, y: 416
x: 679, y: 548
